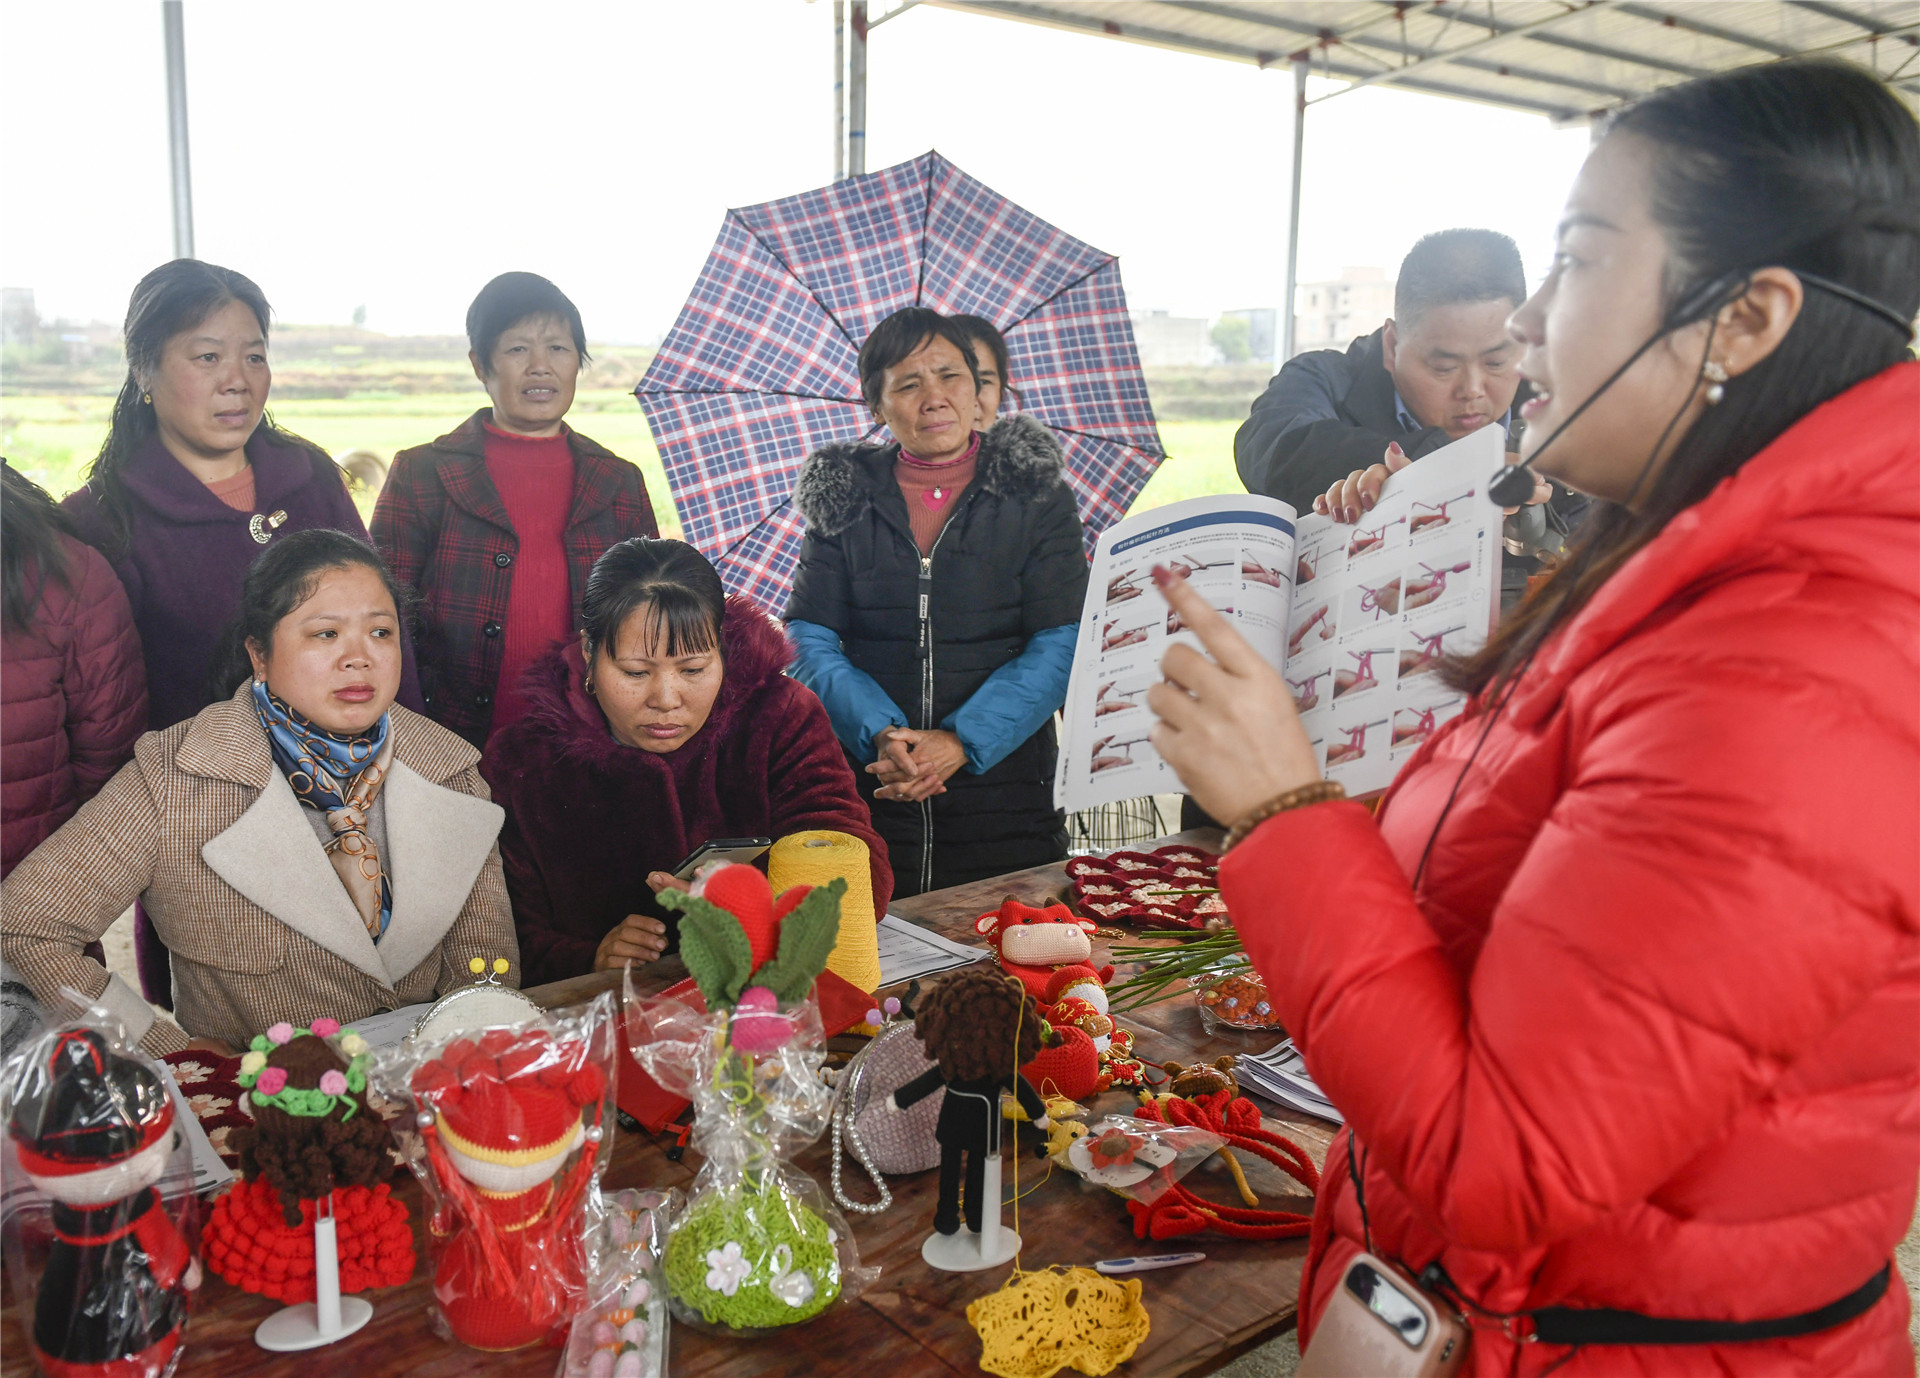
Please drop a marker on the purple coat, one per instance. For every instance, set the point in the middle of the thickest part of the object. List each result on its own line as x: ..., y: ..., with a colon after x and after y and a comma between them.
x: 189, y: 551
x: 589, y: 817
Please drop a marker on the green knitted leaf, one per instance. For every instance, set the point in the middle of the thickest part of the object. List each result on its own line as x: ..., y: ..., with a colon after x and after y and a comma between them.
x: 714, y: 947
x: 807, y: 937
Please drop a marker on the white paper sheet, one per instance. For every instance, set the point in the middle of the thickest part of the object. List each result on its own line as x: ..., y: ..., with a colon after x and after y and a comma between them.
x: 209, y: 1173
x: 1280, y: 1074
x: 909, y: 952
x: 384, y: 1030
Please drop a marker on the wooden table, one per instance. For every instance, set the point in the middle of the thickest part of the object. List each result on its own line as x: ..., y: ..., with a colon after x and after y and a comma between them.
x: 912, y: 1321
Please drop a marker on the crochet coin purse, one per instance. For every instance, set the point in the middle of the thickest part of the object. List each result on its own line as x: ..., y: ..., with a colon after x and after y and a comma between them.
x: 885, y: 1143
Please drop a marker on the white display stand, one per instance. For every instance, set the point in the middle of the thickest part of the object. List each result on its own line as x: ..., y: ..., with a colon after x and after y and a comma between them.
x: 330, y: 1316
x: 967, y: 1252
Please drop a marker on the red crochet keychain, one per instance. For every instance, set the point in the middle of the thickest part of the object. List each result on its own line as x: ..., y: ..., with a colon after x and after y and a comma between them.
x: 1236, y: 1119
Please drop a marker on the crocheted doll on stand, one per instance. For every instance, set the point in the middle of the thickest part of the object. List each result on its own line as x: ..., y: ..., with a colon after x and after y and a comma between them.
x: 313, y: 1142
x: 94, y: 1131
x: 977, y: 1026
x: 499, y: 1116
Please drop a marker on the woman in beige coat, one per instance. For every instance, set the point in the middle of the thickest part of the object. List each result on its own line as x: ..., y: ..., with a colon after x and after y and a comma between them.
x: 305, y: 847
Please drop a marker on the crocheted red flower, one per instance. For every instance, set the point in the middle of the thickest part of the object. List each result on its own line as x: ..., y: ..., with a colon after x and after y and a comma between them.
x: 1114, y: 1148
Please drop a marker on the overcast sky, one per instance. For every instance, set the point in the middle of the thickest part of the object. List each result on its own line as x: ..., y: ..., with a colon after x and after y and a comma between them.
x: 400, y: 154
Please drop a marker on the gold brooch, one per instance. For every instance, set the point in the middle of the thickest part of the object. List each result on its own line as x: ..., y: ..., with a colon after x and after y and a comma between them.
x: 262, y: 528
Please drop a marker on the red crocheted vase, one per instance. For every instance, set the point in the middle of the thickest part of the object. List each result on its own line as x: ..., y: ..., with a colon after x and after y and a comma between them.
x: 249, y: 1243
x: 544, y: 1276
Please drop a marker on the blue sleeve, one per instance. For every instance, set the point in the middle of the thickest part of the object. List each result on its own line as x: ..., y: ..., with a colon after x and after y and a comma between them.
x: 858, y: 708
x: 1016, y: 700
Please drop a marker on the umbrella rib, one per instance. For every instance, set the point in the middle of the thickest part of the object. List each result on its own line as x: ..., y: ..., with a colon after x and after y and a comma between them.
x: 1105, y: 439
x: 926, y: 220
x: 1039, y: 305
x: 799, y: 282
x: 749, y: 392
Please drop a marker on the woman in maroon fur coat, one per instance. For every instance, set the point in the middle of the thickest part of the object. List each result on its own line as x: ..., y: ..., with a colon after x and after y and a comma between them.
x: 668, y: 725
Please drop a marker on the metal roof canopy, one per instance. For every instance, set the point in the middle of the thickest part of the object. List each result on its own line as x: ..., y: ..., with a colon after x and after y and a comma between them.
x: 1567, y: 60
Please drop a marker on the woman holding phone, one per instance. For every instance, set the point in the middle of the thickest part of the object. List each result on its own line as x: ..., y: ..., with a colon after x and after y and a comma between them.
x: 669, y: 724
x: 1617, y: 993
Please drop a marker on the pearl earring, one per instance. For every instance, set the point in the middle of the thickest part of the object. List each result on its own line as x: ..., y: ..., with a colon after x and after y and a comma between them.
x: 1716, y: 376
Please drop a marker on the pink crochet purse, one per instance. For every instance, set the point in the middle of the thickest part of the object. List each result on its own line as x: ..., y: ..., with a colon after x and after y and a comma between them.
x: 881, y: 1140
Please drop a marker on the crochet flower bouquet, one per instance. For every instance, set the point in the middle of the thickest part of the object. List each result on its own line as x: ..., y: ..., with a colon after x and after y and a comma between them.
x: 758, y: 1246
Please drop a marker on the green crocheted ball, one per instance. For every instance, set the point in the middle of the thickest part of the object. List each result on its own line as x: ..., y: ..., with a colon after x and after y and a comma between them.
x: 753, y: 1259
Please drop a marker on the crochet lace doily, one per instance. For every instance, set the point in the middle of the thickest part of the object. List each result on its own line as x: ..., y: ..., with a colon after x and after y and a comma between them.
x: 1040, y: 1323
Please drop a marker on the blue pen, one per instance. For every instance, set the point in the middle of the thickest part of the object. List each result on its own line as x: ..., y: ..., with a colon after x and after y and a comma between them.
x: 1110, y: 1266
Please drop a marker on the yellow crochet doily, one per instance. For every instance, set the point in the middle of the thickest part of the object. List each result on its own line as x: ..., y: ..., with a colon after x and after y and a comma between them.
x: 1040, y: 1323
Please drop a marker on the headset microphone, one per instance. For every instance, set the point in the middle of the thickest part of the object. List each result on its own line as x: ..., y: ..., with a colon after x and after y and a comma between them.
x: 1513, y: 484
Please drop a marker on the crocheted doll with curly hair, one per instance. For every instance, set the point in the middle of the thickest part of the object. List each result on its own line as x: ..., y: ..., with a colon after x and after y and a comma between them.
x: 977, y: 1026
x: 314, y: 1147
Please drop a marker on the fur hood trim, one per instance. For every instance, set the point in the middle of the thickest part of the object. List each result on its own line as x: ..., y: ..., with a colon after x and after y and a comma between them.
x: 568, y: 720
x: 1019, y: 459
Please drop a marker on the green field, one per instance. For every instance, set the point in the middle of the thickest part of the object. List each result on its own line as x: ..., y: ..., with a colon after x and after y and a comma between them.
x: 51, y: 438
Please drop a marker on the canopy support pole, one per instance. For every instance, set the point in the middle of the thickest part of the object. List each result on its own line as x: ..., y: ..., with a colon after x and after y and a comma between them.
x: 857, y: 94
x: 839, y: 90
x: 174, y: 24
x: 1301, y: 62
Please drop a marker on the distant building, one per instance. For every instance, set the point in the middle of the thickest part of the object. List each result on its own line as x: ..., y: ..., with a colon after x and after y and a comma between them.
x: 19, y: 321
x: 1331, y: 315
x: 1263, y: 331
x: 1167, y: 341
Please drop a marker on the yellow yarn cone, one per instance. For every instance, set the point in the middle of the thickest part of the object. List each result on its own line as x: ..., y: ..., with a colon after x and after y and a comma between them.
x: 817, y: 858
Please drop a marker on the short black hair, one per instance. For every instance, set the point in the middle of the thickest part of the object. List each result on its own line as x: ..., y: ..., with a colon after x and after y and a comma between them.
x: 676, y: 584
x: 515, y: 297
x: 900, y: 335
x: 1458, y: 265
x: 285, y: 575
x: 980, y: 328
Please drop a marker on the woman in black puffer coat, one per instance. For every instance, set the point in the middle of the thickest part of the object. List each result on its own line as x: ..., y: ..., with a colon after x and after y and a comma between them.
x: 935, y: 608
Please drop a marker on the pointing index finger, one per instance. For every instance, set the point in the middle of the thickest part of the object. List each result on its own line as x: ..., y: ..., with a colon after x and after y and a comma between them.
x: 1223, y: 643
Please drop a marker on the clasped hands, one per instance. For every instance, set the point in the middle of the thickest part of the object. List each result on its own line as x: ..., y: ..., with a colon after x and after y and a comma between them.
x: 1353, y: 496
x: 914, y: 765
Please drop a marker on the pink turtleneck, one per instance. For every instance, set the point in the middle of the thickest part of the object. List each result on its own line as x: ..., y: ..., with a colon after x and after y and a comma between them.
x: 931, y: 490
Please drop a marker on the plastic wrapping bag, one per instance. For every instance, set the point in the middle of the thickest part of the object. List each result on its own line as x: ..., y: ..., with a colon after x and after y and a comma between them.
x: 99, y: 1196
x: 621, y: 1332
x: 506, y: 1129
x: 759, y: 1246
x: 1138, y: 1158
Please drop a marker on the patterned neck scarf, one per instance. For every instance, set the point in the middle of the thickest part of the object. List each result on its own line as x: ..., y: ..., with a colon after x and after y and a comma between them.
x: 340, y: 776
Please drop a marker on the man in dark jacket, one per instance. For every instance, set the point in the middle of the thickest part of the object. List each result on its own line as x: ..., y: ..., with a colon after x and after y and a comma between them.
x: 1443, y: 367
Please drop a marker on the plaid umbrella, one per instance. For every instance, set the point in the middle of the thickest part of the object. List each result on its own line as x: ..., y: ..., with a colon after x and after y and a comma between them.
x: 761, y: 369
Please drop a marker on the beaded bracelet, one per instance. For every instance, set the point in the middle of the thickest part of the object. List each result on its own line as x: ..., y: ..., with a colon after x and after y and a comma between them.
x: 1320, y: 791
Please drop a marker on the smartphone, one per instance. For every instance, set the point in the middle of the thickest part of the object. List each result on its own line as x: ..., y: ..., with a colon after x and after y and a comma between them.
x: 744, y: 850
x: 1380, y: 1324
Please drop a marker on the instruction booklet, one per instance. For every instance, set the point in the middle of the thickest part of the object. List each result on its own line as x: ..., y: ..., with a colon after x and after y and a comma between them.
x: 1357, y: 617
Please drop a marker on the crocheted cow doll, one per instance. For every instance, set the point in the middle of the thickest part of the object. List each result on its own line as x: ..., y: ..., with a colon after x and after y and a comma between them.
x: 1031, y: 944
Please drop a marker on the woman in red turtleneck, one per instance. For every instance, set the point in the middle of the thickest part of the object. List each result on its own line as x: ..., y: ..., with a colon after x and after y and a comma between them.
x: 496, y: 525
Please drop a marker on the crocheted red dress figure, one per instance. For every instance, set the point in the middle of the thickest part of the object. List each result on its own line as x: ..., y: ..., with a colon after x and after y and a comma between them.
x: 499, y: 1116
x: 314, y: 1147
x: 94, y: 1131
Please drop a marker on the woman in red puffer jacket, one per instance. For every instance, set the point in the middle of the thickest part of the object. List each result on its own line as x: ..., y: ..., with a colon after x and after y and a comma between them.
x: 1620, y: 993
x: 73, y: 688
